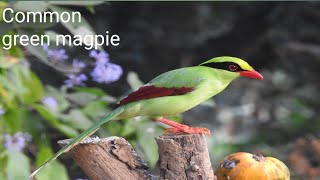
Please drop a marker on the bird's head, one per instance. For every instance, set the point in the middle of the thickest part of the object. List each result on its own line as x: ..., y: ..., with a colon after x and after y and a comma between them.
x: 233, y: 64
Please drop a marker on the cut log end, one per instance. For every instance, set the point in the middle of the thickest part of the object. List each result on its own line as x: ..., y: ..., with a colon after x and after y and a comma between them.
x: 108, y: 158
x: 184, y: 157
x: 180, y: 157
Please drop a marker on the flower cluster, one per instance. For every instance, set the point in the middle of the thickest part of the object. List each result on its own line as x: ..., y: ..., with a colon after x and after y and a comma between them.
x: 76, y: 63
x: 2, y: 111
x: 50, y: 103
x: 103, y: 72
x: 75, y: 80
x: 55, y: 55
x: 100, y: 57
x: 16, y: 142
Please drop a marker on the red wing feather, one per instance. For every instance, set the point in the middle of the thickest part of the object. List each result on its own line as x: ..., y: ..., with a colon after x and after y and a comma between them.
x: 148, y: 92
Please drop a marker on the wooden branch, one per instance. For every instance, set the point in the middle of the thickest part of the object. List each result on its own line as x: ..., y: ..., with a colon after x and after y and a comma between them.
x: 181, y: 157
x: 111, y: 158
x: 184, y: 157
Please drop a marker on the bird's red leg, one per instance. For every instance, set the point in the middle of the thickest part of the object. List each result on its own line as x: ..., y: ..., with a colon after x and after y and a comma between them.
x: 180, y: 128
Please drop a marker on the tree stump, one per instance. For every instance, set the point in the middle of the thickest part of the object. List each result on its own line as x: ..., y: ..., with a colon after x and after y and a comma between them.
x: 184, y: 157
x: 111, y: 158
x: 181, y: 157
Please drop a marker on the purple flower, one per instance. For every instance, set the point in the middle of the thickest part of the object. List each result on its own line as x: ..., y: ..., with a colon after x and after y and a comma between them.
x: 51, y: 103
x: 106, y: 73
x: 16, y: 142
x: 100, y: 57
x: 55, y: 55
x: 2, y: 111
x: 75, y: 80
x: 76, y: 63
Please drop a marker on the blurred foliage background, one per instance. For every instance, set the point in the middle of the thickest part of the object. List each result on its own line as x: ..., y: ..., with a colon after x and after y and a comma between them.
x: 50, y: 93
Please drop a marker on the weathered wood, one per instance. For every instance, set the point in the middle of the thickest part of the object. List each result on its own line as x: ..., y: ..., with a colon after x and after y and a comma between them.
x: 181, y: 157
x: 184, y: 157
x: 111, y: 158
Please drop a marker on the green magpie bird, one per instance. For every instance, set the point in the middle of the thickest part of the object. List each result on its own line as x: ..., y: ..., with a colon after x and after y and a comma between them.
x: 171, y: 93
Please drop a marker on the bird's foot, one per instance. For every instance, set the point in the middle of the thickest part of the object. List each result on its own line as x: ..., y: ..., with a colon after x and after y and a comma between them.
x: 188, y: 130
x: 181, y: 128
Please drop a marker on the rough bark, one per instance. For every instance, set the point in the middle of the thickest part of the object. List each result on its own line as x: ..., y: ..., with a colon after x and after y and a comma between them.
x: 181, y: 157
x: 184, y: 157
x: 111, y: 158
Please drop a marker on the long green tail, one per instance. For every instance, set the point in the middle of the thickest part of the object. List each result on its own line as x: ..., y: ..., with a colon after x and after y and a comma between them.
x: 81, y: 137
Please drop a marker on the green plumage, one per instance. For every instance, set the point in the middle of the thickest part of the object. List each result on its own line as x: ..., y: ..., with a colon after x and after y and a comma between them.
x: 205, y: 81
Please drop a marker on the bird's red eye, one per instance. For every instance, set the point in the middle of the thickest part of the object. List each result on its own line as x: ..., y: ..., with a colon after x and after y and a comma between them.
x: 233, y: 67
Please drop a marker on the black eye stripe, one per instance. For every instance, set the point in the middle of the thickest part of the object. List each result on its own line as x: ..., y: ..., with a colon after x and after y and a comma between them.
x: 224, y: 66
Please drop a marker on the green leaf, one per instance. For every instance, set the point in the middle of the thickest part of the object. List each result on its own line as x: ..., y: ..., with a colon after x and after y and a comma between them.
x: 9, y: 90
x: 8, y: 61
x: 96, y: 109
x: 3, y: 5
x: 67, y: 130
x: 146, y: 134
x: 52, y: 120
x: 45, y: 151
x: 109, y: 99
x: 33, y: 124
x: 18, y: 166
x: 22, y: 83
x: 16, y: 52
x: 35, y: 22
x: 77, y: 119
x: 91, y: 9
x: 8, y: 99
x: 81, y: 28
x: 52, y: 35
x: 34, y: 91
x: 91, y: 90
x: 134, y: 81
x: 112, y: 128
x: 81, y: 98
x: 53, y: 171
x: 36, y: 50
x: 3, y: 163
x: 129, y: 127
x: 45, y: 113
x: 41, y: 55
x: 14, y: 119
x: 59, y: 96
x: 8, y: 42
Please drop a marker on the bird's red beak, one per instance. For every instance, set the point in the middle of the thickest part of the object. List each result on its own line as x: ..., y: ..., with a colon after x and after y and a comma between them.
x: 251, y: 74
